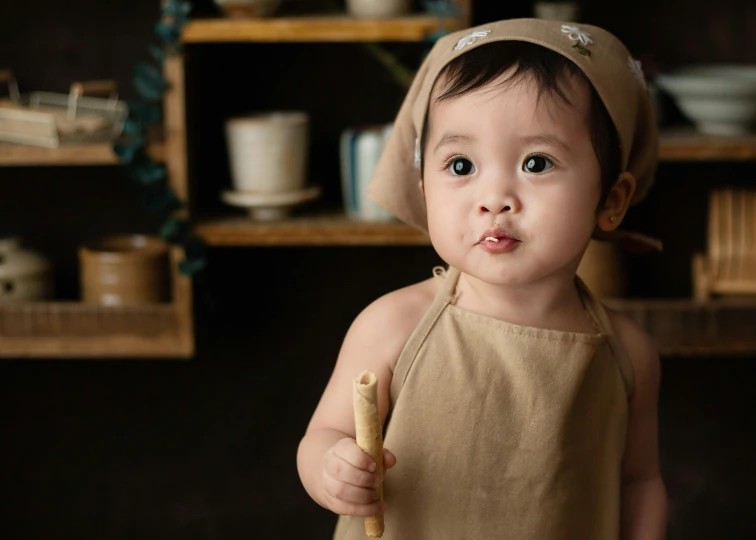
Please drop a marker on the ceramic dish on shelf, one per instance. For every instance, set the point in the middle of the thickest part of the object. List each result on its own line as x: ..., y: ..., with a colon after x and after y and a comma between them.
x: 719, y: 99
x: 270, y: 206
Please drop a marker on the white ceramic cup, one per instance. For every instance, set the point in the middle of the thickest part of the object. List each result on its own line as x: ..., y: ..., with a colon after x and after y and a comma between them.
x: 377, y: 9
x: 268, y: 151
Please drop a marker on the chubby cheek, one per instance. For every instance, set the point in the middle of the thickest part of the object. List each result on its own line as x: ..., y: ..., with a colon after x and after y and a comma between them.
x: 571, y: 219
x: 446, y: 221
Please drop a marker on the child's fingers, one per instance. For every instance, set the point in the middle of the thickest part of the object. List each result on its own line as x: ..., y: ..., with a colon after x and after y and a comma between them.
x: 341, y: 470
x: 348, y: 450
x: 360, y: 510
x: 389, y: 459
x: 347, y: 493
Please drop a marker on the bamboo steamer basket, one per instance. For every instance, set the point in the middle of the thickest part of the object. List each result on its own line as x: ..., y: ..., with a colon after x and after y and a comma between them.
x: 124, y: 270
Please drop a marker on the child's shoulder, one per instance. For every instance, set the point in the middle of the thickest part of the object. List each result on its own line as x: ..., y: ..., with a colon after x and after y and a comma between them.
x: 641, y: 348
x: 399, y: 311
x: 418, y: 296
x: 388, y: 322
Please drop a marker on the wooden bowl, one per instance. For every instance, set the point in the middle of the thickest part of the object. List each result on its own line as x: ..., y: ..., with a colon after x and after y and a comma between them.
x: 602, y: 268
x: 246, y: 9
x: 124, y: 270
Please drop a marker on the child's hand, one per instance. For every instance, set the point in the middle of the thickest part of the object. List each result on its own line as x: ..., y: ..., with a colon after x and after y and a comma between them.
x: 349, y: 484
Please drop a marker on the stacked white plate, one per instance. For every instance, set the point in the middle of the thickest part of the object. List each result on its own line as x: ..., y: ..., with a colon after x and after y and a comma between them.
x: 719, y: 99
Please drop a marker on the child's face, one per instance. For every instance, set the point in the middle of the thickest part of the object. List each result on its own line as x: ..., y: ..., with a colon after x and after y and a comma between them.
x: 502, y: 163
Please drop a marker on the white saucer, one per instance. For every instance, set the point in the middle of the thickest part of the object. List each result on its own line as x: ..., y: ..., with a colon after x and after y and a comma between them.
x: 269, y: 206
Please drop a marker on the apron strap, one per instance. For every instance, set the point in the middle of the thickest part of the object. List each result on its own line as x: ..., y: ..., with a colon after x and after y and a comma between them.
x: 598, y: 312
x: 444, y: 297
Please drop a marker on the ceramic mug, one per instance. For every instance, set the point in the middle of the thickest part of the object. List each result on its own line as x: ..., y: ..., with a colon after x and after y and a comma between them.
x: 268, y: 151
x: 602, y: 268
x: 360, y: 149
x: 125, y: 270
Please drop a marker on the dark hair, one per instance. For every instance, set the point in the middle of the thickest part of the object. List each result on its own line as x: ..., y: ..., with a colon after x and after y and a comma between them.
x: 549, y: 69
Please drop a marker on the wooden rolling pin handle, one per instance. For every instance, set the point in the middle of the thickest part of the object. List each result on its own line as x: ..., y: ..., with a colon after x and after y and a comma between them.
x: 106, y: 87
x: 6, y: 76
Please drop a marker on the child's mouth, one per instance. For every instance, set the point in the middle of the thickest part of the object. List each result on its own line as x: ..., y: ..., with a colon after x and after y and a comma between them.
x: 497, y: 240
x: 494, y: 244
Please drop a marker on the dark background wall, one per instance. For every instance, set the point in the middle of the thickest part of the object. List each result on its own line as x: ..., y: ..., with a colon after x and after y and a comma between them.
x: 205, y: 449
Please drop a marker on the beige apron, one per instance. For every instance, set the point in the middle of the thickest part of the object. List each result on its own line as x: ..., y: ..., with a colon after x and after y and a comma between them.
x: 504, y: 431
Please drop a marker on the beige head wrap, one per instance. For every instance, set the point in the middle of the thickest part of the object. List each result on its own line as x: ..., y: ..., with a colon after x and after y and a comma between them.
x: 603, y: 59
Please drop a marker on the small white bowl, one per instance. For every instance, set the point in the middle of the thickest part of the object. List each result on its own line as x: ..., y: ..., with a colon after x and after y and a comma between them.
x: 720, y: 100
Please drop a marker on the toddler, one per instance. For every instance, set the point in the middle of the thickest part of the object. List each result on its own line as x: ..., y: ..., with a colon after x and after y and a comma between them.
x: 515, y: 405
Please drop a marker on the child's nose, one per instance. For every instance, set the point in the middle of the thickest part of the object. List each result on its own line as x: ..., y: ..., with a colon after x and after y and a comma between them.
x: 498, y: 200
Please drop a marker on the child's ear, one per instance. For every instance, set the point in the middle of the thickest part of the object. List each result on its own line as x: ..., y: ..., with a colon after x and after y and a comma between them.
x: 420, y: 185
x: 617, y: 202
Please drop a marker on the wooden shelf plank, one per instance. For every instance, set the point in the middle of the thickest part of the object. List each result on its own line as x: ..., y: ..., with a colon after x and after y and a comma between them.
x: 322, y: 230
x: 16, y: 155
x: 308, y: 29
x: 75, y: 330
x: 681, y: 327
x: 689, y: 145
x: 12, y: 155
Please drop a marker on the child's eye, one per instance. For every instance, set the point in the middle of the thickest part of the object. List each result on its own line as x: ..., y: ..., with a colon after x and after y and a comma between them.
x: 537, y: 164
x: 460, y: 167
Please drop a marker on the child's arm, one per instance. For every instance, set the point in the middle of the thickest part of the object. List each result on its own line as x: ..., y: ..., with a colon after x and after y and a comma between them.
x: 334, y: 470
x: 644, y: 503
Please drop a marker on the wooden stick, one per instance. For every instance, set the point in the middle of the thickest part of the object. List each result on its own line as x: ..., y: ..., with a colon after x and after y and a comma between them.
x: 367, y: 423
x: 105, y: 87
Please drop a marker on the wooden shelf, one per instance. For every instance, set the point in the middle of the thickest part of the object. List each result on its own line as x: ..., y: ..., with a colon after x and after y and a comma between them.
x: 16, y: 155
x: 689, y: 145
x: 324, y: 230
x: 724, y: 326
x: 309, y: 29
x: 70, y: 329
